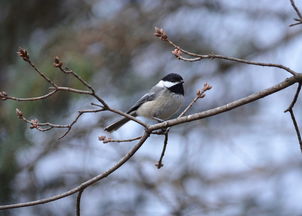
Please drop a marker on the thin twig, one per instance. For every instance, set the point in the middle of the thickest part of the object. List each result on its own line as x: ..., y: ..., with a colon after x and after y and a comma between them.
x: 160, y: 33
x: 32, y: 98
x: 81, y: 112
x: 292, y: 104
x: 290, y: 109
x: 294, y: 24
x: 189, y: 106
x: 25, y: 56
x: 104, y: 139
x: 299, y: 19
x: 189, y: 59
x: 296, y: 9
x: 78, y: 209
x: 199, y: 94
x: 34, y: 123
x: 78, y: 91
x: 200, y: 57
x: 45, y: 126
x: 159, y: 164
x: 292, y: 115
x: 73, y: 90
x: 59, y: 64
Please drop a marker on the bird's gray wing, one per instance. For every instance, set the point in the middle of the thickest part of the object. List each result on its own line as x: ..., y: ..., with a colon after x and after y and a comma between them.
x: 147, y: 97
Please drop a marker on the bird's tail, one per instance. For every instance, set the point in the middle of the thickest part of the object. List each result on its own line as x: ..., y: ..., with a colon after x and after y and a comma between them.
x: 116, y: 125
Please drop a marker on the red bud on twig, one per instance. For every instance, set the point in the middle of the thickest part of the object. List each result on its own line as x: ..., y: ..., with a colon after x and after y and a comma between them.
x: 160, y: 33
x: 3, y: 95
x: 34, y: 123
x: 104, y: 139
x: 57, y: 63
x: 177, y: 52
x: 23, y: 54
x: 19, y: 113
x: 206, y: 87
x: 199, y: 94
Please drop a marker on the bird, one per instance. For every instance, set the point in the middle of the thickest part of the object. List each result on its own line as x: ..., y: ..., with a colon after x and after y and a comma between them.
x: 160, y: 103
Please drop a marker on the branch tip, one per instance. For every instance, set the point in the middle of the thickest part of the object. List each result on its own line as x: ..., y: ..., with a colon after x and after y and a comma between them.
x: 299, y: 19
x: 159, y: 165
x: 104, y: 139
x: 23, y: 54
x: 206, y: 87
x: 3, y: 95
x: 57, y: 62
x: 160, y: 33
x: 199, y: 94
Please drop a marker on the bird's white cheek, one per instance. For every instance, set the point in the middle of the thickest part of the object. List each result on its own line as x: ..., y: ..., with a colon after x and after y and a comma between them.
x: 160, y: 84
x: 166, y: 84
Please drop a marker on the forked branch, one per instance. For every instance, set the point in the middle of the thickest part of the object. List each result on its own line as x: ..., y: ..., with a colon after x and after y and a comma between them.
x: 178, y: 51
x: 290, y: 109
x: 299, y: 19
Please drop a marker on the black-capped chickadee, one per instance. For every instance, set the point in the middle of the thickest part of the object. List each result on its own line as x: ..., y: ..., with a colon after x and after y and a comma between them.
x: 161, y: 102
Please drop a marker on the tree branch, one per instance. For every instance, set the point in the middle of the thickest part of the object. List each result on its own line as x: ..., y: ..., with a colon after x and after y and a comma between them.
x: 159, y: 164
x: 299, y: 19
x: 292, y: 104
x: 46, y: 126
x: 79, y: 196
x: 25, y: 56
x: 59, y: 64
x: 55, y: 88
x: 288, y: 82
x: 105, y: 140
x: 81, y: 112
x: 199, y: 94
x: 6, y: 97
x: 290, y: 109
x: 84, y: 184
x: 292, y: 115
x: 160, y: 33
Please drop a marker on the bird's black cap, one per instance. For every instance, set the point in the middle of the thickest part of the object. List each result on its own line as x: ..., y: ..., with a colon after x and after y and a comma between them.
x: 173, y: 77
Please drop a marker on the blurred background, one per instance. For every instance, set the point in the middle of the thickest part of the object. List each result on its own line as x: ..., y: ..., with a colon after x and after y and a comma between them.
x: 243, y: 162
